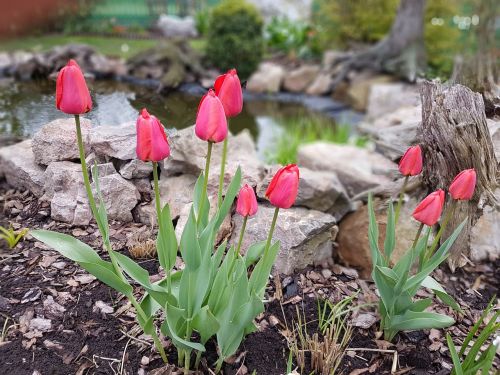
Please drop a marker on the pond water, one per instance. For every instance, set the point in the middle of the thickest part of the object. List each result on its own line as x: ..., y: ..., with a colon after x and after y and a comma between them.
x: 26, y: 106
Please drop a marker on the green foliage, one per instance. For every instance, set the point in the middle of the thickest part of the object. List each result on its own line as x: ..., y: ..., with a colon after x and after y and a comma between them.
x: 295, y: 38
x: 475, y: 361
x: 11, y: 236
x: 202, y: 21
x: 303, y: 130
x: 397, y: 285
x: 235, y: 37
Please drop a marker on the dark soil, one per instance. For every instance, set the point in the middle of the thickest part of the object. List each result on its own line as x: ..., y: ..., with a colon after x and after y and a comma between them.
x: 96, y: 332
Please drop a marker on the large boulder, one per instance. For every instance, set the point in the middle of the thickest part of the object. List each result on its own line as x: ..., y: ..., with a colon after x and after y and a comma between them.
x: 299, y: 79
x: 188, y: 157
x: 360, y: 86
x: 485, y: 234
x: 321, y: 85
x: 65, y: 190
x: 136, y: 169
x: 114, y: 141
x: 267, y: 79
x: 171, y: 26
x: 18, y: 166
x: 358, y: 169
x: 306, y: 236
x: 385, y: 98
x: 318, y: 190
x: 56, y: 141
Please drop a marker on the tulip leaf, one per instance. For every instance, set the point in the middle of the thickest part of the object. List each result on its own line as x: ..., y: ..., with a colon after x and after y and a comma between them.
x: 377, y: 259
x: 254, y: 252
x: 166, y: 243
x: 206, y: 324
x: 457, y: 366
x: 440, y: 293
x: 190, y: 247
x: 200, y: 195
x: 104, y: 272
x: 102, y: 216
x: 231, y: 193
x: 390, y: 234
x: 421, y: 305
x: 414, y: 320
x: 260, y: 274
x: 170, y: 328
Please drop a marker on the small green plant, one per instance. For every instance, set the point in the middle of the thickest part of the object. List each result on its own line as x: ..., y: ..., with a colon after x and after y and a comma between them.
x: 11, y: 236
x: 235, y: 37
x: 304, y: 130
x: 474, y: 361
x: 202, y: 21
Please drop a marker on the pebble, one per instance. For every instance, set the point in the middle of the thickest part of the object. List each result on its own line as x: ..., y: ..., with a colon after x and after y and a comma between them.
x: 326, y: 273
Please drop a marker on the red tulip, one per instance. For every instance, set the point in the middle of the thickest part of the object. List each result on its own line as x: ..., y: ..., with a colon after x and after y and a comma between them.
x: 463, y: 185
x: 228, y: 89
x: 152, y: 143
x: 211, y: 123
x: 282, y: 191
x: 72, y: 94
x: 246, y: 205
x: 411, y: 162
x: 429, y: 210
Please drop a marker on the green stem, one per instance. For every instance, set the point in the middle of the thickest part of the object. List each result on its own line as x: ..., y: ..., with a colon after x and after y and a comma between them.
x: 218, y: 366
x: 400, y: 200
x: 419, y: 231
x: 271, y: 231
x: 93, y: 207
x: 222, y: 171
x: 187, y: 360
x: 237, y: 249
x: 205, y: 182
x: 435, y: 243
x: 198, y: 359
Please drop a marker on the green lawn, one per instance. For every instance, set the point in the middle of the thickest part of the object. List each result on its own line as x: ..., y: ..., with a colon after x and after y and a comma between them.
x: 111, y: 46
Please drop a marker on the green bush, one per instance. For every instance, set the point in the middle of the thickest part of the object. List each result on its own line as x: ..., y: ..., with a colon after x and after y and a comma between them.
x: 235, y: 37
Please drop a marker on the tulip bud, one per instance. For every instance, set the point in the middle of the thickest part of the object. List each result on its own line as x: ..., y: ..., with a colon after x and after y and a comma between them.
x: 152, y: 143
x: 282, y: 191
x: 429, y: 210
x: 228, y: 89
x: 411, y: 162
x: 246, y: 205
x: 72, y: 94
x: 211, y: 123
x: 463, y: 185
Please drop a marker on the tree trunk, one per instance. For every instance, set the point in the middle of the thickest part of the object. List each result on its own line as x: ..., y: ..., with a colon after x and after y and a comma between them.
x: 401, y: 52
x: 454, y: 136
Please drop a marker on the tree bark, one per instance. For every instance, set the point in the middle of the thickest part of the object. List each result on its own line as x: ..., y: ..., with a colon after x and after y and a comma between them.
x: 401, y: 52
x: 454, y: 136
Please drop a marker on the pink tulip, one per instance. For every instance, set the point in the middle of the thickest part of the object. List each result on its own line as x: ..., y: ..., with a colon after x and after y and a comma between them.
x: 72, y: 94
x: 429, y: 210
x: 463, y: 185
x: 228, y: 89
x: 283, y: 189
x: 211, y: 122
x: 411, y: 162
x: 246, y: 205
x: 152, y: 143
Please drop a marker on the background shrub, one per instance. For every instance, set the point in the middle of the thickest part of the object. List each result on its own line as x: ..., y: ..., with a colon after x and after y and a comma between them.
x: 235, y: 37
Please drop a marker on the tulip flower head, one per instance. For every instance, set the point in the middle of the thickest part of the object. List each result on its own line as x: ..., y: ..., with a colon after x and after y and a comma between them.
x: 463, y: 185
x: 152, y: 143
x: 282, y: 191
x: 429, y: 210
x: 411, y: 162
x: 72, y: 94
x: 211, y: 122
x: 228, y: 89
x: 246, y: 205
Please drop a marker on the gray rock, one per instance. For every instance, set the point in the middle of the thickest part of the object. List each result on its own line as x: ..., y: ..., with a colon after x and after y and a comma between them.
x: 306, y: 236
x: 299, y: 79
x: 171, y: 26
x: 267, y: 79
x: 485, y: 234
x: 115, y: 141
x: 494, y: 127
x: 136, y: 169
x: 321, y: 85
x: 65, y: 190
x: 321, y: 191
x: 188, y: 157
x: 19, y: 168
x: 120, y: 197
x: 358, y: 169
x: 329, y: 58
x: 386, y: 98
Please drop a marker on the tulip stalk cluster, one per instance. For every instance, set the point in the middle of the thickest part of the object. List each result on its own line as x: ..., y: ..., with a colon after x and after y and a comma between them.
x: 397, y: 284
x: 219, y: 292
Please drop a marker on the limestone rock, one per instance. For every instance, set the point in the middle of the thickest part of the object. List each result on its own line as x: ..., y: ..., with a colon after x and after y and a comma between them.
x: 267, y: 79
x: 56, y: 140
x: 299, y: 79
x: 306, y: 236
x: 65, y: 190
x: 136, y: 169
x: 19, y: 168
x: 188, y: 157
x: 321, y: 191
x: 120, y: 196
x: 115, y: 141
x: 485, y: 234
x: 358, y: 169
x: 385, y: 98
x: 360, y: 87
x: 321, y: 85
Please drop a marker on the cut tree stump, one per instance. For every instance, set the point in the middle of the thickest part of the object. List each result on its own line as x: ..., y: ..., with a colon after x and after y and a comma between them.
x: 454, y: 136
